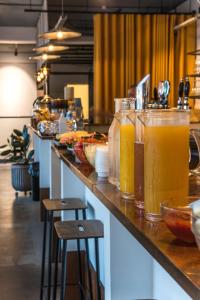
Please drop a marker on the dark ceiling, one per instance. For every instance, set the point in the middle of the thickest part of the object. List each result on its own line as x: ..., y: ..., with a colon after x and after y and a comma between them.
x: 80, y: 17
x: 80, y: 12
x: 12, y: 13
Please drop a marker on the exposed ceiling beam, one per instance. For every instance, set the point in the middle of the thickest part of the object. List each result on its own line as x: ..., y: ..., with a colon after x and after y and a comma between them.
x: 18, y: 42
x: 19, y: 4
x: 17, y: 35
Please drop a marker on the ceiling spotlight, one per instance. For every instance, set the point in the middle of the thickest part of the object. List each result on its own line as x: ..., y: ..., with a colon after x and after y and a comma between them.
x: 41, y: 75
x: 38, y: 78
x: 50, y: 47
x: 45, y: 71
x: 16, y: 50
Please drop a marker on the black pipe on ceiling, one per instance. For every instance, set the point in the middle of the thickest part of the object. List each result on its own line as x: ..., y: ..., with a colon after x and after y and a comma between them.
x: 118, y: 11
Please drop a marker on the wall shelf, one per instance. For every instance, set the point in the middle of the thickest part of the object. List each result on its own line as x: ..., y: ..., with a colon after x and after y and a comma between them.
x: 193, y: 75
x: 194, y: 97
x: 196, y: 52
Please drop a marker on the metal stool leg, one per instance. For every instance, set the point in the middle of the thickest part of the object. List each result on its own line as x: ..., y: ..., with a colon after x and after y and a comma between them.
x: 88, y: 260
x: 50, y: 255
x: 43, y: 256
x: 56, y: 269
x: 84, y: 214
x: 88, y: 267
x: 63, y: 271
x: 79, y: 260
x: 97, y: 268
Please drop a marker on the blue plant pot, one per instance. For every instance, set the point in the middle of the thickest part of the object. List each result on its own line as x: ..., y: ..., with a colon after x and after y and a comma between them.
x: 21, y: 179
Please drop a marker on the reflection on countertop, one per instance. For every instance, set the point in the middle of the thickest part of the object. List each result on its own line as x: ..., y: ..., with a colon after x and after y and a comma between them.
x: 180, y: 260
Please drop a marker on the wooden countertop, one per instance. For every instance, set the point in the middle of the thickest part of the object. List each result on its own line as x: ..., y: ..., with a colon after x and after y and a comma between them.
x: 180, y: 260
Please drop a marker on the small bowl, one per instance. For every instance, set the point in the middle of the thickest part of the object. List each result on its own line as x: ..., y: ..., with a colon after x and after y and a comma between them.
x: 196, y: 229
x: 179, y: 221
x: 90, y: 152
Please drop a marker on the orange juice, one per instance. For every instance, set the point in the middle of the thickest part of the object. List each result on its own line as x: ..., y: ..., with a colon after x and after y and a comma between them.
x: 127, y: 138
x: 166, y: 166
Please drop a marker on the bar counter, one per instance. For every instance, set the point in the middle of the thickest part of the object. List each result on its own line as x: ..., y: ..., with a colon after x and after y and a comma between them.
x: 180, y: 260
x: 142, y: 260
x: 42, y: 137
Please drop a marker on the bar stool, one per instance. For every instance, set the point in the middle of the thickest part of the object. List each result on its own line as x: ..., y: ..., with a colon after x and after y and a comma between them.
x: 77, y: 230
x: 51, y: 206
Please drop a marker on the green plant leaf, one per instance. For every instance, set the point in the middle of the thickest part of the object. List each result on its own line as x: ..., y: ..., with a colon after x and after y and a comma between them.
x: 25, y: 130
x: 26, y: 140
x: 16, y: 158
x: 17, y: 144
x: 17, y: 132
x: 5, y: 153
x: 30, y: 155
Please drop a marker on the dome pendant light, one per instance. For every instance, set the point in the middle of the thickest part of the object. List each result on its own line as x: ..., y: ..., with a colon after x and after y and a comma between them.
x: 59, y: 32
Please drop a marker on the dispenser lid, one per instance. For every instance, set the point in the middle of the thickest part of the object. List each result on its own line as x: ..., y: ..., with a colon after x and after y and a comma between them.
x: 126, y: 104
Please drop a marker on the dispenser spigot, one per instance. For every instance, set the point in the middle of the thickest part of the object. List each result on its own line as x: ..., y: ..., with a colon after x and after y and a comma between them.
x: 180, y: 94
x: 186, y: 93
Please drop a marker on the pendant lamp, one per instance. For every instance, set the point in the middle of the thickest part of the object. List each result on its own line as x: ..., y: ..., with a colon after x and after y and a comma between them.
x: 50, y: 47
x: 59, y: 32
x: 44, y: 56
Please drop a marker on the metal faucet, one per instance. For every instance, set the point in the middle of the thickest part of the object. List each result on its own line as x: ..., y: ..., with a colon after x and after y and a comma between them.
x: 180, y: 94
x: 142, y: 93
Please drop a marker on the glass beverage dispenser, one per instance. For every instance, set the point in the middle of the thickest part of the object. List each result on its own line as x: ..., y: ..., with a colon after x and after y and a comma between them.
x: 127, y: 137
x: 138, y: 158
x: 113, y: 145
x: 166, y: 157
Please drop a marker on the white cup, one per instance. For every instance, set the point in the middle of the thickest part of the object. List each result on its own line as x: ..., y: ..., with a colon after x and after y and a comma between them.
x: 101, y: 161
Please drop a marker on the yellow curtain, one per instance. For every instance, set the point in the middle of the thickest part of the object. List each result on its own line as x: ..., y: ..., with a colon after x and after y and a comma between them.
x: 128, y: 46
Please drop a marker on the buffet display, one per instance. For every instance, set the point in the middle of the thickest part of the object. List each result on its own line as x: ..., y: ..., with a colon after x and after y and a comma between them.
x: 81, y: 144
x: 146, y: 155
x: 68, y: 110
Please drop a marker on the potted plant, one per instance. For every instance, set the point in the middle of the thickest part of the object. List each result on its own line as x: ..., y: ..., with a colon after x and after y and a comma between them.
x: 18, y: 153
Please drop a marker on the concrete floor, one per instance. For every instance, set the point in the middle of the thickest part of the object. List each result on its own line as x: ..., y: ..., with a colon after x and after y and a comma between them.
x: 20, y: 243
